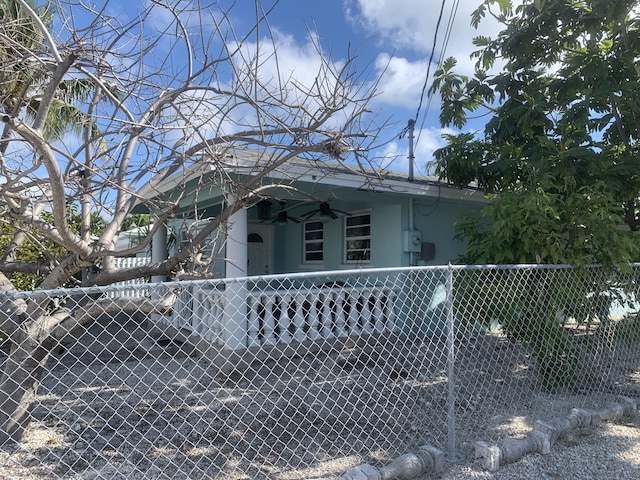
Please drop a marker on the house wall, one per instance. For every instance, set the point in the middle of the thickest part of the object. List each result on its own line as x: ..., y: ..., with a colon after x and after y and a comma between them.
x: 386, y: 235
x: 332, y: 245
x: 386, y: 249
x: 394, y: 209
x: 287, y: 248
x: 433, y: 218
x: 436, y: 223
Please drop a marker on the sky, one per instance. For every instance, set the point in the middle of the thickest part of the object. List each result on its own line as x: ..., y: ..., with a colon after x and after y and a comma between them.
x: 394, y: 38
x: 396, y: 35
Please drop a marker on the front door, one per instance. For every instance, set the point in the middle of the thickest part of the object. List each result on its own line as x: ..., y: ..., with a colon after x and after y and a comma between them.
x: 259, y: 249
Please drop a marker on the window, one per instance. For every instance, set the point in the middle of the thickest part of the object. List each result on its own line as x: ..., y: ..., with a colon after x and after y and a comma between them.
x: 357, y: 237
x: 313, y: 242
x: 208, y: 248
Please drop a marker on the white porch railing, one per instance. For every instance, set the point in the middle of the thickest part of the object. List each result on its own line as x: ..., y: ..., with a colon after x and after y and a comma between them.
x: 282, y: 316
x: 129, y: 262
x: 318, y: 313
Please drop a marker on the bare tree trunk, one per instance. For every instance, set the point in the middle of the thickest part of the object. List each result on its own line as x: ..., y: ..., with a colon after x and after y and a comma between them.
x: 20, y: 379
x: 33, y: 342
x: 177, y: 121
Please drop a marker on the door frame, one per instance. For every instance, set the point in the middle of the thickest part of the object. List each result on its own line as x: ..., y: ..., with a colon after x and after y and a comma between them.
x: 266, y: 233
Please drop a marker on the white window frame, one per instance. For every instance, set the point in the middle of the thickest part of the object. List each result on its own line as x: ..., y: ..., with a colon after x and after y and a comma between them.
x: 307, y: 242
x: 210, y: 246
x: 361, y: 237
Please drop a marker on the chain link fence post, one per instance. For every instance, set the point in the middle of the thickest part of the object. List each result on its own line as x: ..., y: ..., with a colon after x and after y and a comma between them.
x: 451, y: 359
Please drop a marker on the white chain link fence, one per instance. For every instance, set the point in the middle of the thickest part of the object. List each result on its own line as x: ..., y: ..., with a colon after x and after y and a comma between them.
x: 305, y: 376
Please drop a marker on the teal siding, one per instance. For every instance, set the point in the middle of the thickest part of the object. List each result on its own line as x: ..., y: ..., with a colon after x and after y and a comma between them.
x: 433, y: 216
x: 434, y: 219
x: 386, y: 235
x: 437, y: 226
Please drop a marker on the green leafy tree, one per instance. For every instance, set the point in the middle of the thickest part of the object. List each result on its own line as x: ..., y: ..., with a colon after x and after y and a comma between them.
x: 23, y: 89
x: 136, y: 220
x: 39, y: 250
x: 23, y: 83
x: 559, y: 158
x: 559, y: 153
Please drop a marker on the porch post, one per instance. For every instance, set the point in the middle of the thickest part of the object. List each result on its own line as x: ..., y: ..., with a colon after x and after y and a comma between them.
x: 236, y: 265
x: 159, y: 251
x: 235, y: 310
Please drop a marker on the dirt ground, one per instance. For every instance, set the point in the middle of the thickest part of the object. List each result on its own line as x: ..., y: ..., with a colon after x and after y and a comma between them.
x: 163, y: 413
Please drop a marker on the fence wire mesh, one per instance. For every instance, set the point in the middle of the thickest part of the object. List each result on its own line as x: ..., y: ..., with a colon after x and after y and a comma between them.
x: 305, y: 376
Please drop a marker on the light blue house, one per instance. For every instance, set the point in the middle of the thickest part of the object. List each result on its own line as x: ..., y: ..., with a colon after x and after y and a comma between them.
x: 318, y: 216
x: 312, y: 217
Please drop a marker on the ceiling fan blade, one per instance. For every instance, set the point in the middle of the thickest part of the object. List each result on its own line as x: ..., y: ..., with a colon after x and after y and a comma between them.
x: 325, y: 210
x: 281, y: 217
x: 284, y: 217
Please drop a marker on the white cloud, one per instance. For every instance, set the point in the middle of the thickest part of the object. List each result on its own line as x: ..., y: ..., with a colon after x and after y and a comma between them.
x: 301, y: 74
x: 411, y: 24
x: 283, y: 60
x: 405, y: 32
x: 426, y: 141
x: 290, y: 74
x: 401, y: 82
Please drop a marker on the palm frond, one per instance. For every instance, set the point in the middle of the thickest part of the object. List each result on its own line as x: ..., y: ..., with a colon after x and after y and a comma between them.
x: 75, y: 90
x: 62, y: 117
x: 19, y: 25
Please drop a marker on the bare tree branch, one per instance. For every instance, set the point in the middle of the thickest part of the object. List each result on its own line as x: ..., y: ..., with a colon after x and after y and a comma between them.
x: 164, y: 106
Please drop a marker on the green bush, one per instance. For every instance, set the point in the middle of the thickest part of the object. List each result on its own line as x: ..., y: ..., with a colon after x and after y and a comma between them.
x: 531, y: 305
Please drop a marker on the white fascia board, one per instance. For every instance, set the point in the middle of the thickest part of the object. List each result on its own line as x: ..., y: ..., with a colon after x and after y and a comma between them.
x: 427, y: 186
x: 330, y: 174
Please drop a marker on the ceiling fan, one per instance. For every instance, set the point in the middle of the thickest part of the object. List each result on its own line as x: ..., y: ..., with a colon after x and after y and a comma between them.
x: 324, y: 213
x: 283, y: 217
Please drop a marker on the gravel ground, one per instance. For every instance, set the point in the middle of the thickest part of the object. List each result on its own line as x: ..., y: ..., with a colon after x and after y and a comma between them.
x: 610, y: 451
x: 169, y: 416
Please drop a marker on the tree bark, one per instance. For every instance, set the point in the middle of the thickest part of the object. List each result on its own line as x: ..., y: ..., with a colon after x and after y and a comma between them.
x: 34, y: 340
x: 18, y: 387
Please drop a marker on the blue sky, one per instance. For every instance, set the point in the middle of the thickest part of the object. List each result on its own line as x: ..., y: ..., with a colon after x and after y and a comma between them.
x: 398, y: 35
x: 394, y: 35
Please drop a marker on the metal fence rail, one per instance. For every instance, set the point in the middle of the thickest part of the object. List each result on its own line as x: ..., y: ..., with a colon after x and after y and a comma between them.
x: 305, y: 376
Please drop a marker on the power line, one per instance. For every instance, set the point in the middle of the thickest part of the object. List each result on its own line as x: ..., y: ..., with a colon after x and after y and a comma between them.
x: 433, y: 49
x: 452, y: 17
x: 445, y: 43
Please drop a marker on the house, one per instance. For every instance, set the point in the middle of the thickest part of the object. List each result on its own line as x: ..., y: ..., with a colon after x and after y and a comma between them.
x: 323, y: 216
x: 313, y: 217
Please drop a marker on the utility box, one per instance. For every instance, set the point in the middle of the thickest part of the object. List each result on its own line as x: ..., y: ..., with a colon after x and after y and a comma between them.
x: 428, y: 251
x: 412, y: 241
